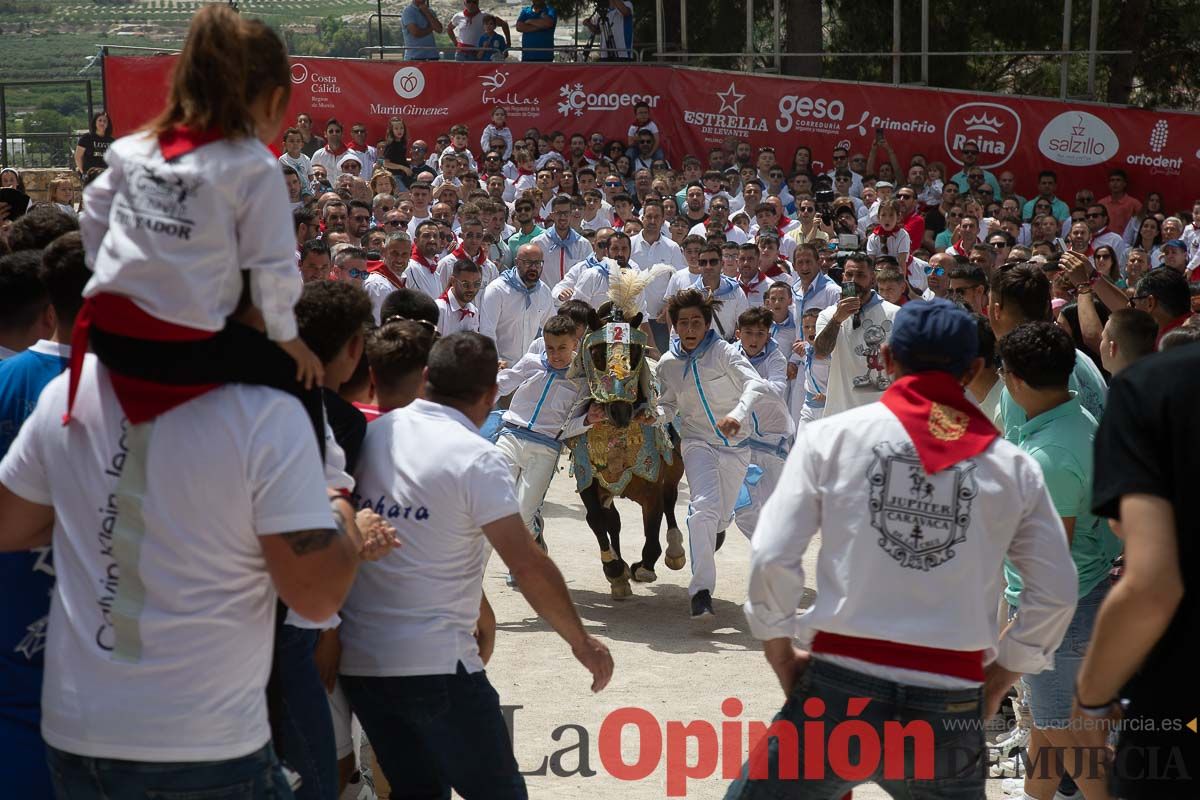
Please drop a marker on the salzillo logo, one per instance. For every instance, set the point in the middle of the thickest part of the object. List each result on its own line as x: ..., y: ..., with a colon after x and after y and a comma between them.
x: 409, y: 82
x: 576, y: 101
x: 299, y: 73
x: 1078, y: 139
x: 995, y: 130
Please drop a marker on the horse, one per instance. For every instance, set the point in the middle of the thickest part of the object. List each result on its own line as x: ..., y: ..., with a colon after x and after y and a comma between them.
x: 627, y: 454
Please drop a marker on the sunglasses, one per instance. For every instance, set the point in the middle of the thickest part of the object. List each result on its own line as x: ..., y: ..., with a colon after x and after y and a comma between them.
x: 709, y: 262
x: 613, y: 184
x: 357, y: 274
x: 1137, y: 297
x: 424, y: 323
x: 938, y: 271
x: 807, y: 210
x: 1095, y: 216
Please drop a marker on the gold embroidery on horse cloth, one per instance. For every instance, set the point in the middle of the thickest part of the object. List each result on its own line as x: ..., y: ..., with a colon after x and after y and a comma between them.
x: 614, y: 450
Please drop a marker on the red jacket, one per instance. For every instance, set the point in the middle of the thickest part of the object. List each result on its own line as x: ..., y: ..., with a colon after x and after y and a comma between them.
x: 915, y: 225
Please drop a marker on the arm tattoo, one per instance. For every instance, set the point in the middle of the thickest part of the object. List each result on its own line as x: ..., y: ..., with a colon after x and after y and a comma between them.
x: 305, y: 542
x: 827, y: 338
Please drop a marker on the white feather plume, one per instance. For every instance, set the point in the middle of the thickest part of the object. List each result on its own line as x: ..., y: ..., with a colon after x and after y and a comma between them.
x: 625, y: 286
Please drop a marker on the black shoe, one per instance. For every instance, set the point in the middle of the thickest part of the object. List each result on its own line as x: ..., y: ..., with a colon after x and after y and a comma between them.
x: 720, y: 540
x: 702, y: 604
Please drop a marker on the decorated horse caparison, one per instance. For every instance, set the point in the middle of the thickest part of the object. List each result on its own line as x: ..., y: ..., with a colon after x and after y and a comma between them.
x: 625, y: 454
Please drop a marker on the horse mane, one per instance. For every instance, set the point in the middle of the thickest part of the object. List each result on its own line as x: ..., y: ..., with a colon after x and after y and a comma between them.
x: 625, y: 286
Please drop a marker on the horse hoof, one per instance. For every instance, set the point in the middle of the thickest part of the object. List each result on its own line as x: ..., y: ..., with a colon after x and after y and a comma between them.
x: 643, y: 575
x: 675, y: 556
x: 621, y: 590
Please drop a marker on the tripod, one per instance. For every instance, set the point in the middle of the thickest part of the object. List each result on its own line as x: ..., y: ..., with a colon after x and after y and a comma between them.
x: 610, y: 41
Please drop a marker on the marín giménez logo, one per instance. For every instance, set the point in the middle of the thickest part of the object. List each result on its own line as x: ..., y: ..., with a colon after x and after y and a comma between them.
x: 408, y: 82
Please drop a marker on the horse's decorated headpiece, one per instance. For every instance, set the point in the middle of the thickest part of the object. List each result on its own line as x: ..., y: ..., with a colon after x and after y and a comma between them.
x: 612, y: 362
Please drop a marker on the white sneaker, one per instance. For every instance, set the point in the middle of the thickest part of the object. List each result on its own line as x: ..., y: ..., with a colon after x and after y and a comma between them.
x: 1013, y: 787
x: 358, y: 790
x: 292, y: 777
x: 1005, y: 768
x: 1017, y: 739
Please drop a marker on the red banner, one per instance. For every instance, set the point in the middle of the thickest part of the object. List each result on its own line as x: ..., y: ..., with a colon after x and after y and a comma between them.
x: 695, y: 109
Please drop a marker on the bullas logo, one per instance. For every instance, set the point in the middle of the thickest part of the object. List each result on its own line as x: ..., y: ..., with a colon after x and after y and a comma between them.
x: 496, y: 91
x: 728, y: 120
x: 1078, y: 139
x: 995, y: 130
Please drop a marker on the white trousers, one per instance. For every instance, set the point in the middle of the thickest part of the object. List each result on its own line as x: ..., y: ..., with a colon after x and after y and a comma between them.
x: 532, y: 467
x: 714, y: 475
x: 772, y: 468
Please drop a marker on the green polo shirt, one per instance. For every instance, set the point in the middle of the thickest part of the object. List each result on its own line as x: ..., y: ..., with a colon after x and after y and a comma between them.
x: 518, y: 239
x: 1060, y: 440
x: 1086, y: 382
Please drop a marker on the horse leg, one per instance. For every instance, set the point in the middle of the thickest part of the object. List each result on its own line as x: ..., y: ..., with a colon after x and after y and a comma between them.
x: 599, y: 520
x: 652, y: 514
x: 676, y: 556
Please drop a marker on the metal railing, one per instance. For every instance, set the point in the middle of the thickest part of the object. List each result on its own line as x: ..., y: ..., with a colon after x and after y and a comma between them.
x: 573, y: 53
x: 39, y: 148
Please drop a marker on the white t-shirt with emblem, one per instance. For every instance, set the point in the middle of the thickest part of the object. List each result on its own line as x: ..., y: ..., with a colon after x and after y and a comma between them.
x: 428, y: 472
x: 856, y: 372
x: 181, y: 674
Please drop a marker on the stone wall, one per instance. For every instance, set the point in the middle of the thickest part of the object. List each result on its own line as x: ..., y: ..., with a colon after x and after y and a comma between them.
x: 37, y: 183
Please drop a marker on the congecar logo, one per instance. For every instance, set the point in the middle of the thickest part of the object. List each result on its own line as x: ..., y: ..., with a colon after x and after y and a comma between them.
x: 727, y: 119
x: 576, y: 100
x: 1158, y: 163
x: 1078, y: 139
x: 995, y: 130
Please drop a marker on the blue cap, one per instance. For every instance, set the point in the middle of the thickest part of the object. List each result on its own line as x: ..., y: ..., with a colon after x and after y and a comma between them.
x: 934, y: 335
x: 1180, y: 243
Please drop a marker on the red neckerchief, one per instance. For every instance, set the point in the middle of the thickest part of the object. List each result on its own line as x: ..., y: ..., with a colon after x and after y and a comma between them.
x: 1090, y: 250
x: 759, y: 277
x: 775, y: 269
x: 523, y: 171
x: 879, y: 231
x: 338, y: 153
x: 945, y: 427
x: 468, y: 14
x: 589, y: 155
x: 358, y: 148
x: 463, y: 311
x: 459, y: 252
x: 417, y: 257
x: 618, y: 223
x: 179, y: 141
x: 784, y: 221
x: 1178, y: 322
x: 957, y: 247
x: 381, y: 268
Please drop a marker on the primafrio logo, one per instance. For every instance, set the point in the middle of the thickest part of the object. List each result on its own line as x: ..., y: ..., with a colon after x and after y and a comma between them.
x: 995, y: 130
x: 408, y: 82
x: 576, y: 100
x: 1078, y: 139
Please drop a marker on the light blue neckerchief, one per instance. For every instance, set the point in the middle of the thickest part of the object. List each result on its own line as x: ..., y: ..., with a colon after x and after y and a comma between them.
x: 771, y: 347
x: 677, y: 346
x: 726, y: 285
x: 552, y: 235
x: 776, y: 327
x: 558, y: 373
x: 511, y: 277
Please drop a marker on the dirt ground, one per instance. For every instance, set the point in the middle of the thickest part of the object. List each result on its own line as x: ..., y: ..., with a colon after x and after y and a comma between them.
x: 673, y: 668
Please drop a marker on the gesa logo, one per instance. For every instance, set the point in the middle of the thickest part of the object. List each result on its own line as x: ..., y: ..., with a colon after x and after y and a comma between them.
x: 808, y: 114
x: 1078, y: 139
x: 995, y: 130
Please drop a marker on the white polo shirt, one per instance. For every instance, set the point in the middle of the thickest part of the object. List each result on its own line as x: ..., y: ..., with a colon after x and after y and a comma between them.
x: 428, y: 472
x: 560, y: 254
x: 420, y: 277
x: 180, y: 676
x: 513, y: 324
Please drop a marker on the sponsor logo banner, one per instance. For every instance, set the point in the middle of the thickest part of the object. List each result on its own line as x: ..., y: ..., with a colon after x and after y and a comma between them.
x: 696, y: 109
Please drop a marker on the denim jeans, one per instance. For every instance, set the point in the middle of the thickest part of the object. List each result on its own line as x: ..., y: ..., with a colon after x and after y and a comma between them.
x: 304, y: 727
x: 959, y: 759
x: 432, y: 733
x: 253, y: 777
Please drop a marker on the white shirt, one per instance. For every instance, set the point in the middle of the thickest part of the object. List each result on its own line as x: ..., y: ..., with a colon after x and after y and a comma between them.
x: 733, y: 303
x: 513, y: 325
x: 327, y: 159
x: 378, y: 288
x: 572, y: 277
x: 465, y: 152
x: 368, y: 157
x: 894, y: 245
x: 979, y: 512
x: 682, y: 279
x: 856, y: 372
x: 592, y: 286
x: 438, y: 482
x: 718, y: 382
x: 769, y: 419
x: 560, y: 254
x: 451, y: 318
x: 732, y: 233
x: 821, y: 293
x: 413, y: 223
x: 445, y: 269
x: 174, y: 236
x: 542, y: 399
x: 468, y: 31
x: 183, y: 678
x: 645, y: 255
x: 420, y: 277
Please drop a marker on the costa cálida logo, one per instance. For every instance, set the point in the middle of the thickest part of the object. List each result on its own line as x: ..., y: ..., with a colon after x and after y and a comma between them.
x: 1078, y: 139
x: 994, y: 128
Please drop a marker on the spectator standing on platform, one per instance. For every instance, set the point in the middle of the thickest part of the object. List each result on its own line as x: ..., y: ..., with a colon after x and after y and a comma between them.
x: 494, y: 47
x: 465, y: 31
x: 619, y: 17
x: 536, y: 25
x: 420, y: 24
x: 89, y: 153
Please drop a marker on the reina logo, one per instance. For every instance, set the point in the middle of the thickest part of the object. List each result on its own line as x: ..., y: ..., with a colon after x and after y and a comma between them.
x: 408, y: 82
x: 1078, y: 139
x: 993, y: 128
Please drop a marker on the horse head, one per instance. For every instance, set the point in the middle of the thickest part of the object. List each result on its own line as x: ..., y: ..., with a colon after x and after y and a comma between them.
x: 613, y: 357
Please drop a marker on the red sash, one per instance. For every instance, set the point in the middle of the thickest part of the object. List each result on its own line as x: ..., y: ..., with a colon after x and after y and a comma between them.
x: 945, y: 427
x: 140, y: 400
x: 381, y: 268
x: 966, y: 664
x: 416, y: 256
